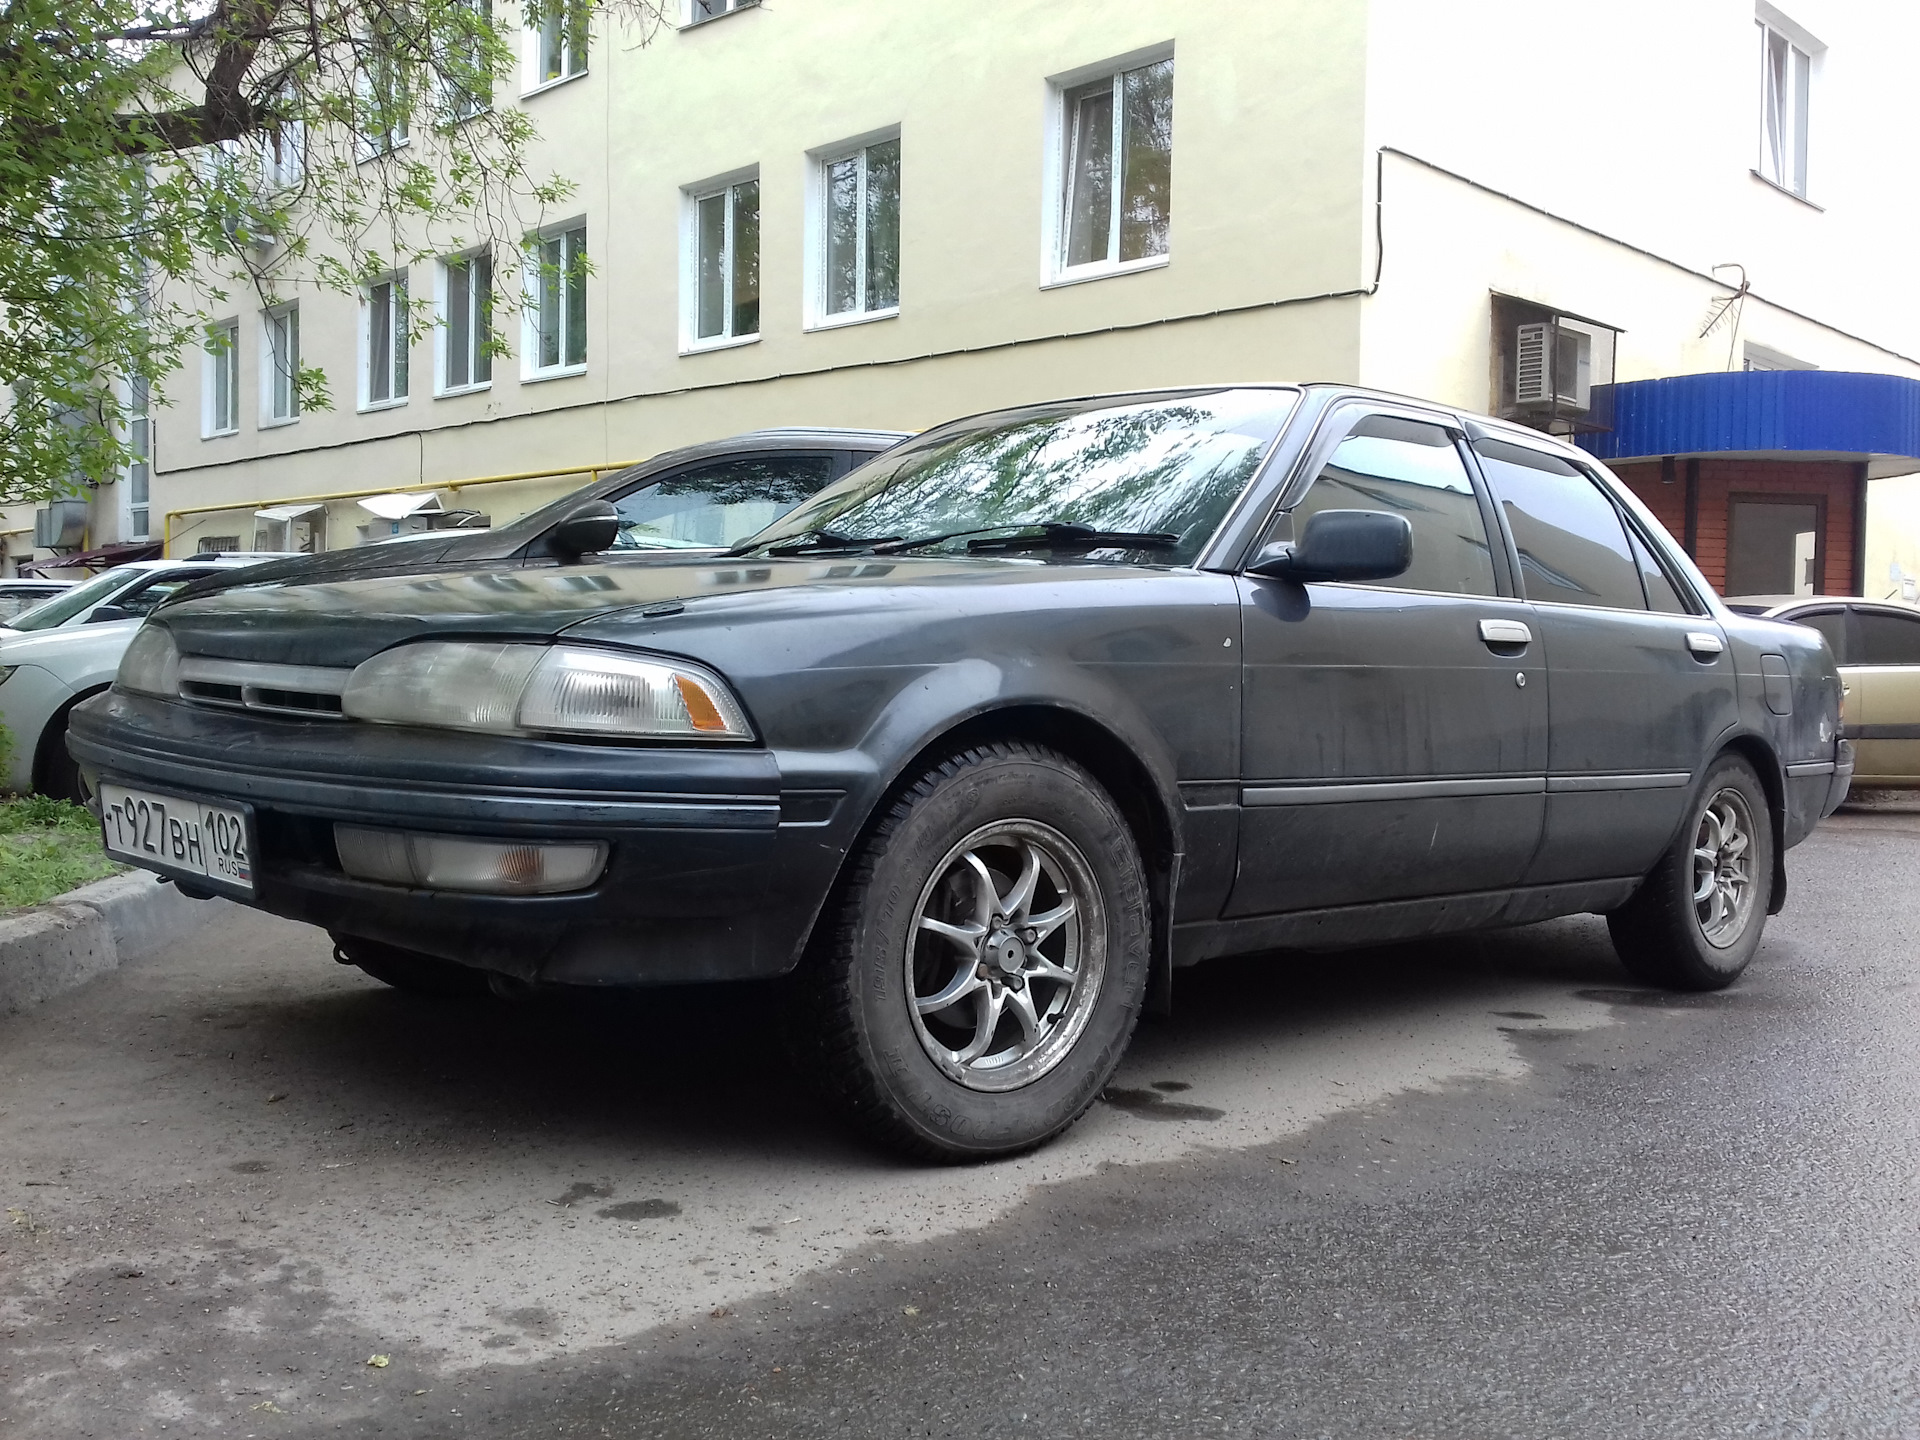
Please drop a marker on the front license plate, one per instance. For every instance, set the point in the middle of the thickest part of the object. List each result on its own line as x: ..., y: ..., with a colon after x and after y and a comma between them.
x: 174, y: 832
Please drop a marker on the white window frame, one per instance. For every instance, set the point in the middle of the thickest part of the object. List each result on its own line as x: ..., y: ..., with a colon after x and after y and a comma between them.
x: 211, y: 364
x: 533, y: 39
x: 283, y: 156
x: 443, y: 308
x: 464, y: 105
x: 1054, y: 271
x: 1796, y: 109
x: 1765, y: 357
x: 815, y: 248
x: 368, y: 148
x: 270, y: 366
x: 399, y: 367
x: 530, y: 368
x: 690, y: 10
x: 690, y: 197
x: 136, y: 514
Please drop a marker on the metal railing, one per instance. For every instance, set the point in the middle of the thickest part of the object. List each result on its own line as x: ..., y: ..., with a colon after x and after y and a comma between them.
x: 592, y: 472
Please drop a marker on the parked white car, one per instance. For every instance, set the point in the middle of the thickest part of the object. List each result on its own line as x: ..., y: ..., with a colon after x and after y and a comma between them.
x: 57, y: 654
x: 19, y: 596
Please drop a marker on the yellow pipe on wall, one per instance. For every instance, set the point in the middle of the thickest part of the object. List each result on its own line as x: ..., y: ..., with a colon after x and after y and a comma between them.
x: 592, y: 472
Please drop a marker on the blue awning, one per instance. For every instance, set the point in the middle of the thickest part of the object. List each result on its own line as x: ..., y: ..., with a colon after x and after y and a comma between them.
x: 1837, y: 413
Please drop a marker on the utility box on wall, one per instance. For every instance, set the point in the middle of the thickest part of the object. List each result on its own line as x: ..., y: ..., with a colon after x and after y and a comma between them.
x: 61, y: 526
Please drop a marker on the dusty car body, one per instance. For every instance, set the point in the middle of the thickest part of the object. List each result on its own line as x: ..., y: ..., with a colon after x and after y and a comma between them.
x: 986, y: 739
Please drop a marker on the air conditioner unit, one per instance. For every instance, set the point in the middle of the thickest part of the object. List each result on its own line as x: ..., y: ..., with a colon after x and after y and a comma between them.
x: 1553, y: 369
x: 61, y: 526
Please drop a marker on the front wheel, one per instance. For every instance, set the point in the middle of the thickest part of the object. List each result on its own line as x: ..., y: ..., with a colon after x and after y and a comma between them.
x: 987, y: 960
x: 1695, y: 922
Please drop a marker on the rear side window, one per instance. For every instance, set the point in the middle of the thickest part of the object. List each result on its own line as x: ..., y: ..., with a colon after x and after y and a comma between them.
x: 1886, y: 639
x: 1573, y: 548
x: 1830, y: 623
x: 718, y: 505
x: 146, y: 599
x: 1411, y: 469
x: 1661, y: 595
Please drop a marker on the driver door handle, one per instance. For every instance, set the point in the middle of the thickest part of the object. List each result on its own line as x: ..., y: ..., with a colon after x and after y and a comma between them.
x: 1703, y: 644
x: 1505, y: 632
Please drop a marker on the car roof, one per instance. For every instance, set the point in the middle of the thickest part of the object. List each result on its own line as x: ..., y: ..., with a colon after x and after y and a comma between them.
x: 1773, y: 604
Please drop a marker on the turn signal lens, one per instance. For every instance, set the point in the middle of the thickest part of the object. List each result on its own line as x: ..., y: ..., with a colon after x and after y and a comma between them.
x: 454, y: 862
x: 151, y: 664
x: 598, y: 693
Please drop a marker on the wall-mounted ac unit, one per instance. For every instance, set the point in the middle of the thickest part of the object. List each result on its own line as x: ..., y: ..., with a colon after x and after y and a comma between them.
x: 1553, y: 368
x: 61, y: 526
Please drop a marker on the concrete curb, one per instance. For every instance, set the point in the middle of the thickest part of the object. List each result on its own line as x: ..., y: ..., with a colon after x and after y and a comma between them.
x: 87, y: 932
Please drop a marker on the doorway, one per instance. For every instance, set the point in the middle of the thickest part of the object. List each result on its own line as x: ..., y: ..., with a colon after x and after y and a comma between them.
x: 1775, y: 546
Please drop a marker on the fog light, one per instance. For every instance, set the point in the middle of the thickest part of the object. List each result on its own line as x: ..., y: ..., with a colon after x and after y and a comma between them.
x: 453, y: 862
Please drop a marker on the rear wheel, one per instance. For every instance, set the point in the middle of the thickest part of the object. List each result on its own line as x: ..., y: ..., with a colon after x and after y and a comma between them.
x: 409, y: 970
x: 987, y: 960
x: 1696, y: 921
x: 55, y: 772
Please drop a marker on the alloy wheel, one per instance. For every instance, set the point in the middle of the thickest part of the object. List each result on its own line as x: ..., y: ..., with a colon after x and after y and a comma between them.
x: 1006, y: 955
x: 1724, y: 891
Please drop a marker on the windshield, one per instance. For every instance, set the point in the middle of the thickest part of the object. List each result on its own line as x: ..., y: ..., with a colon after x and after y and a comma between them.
x: 1172, y: 464
x: 69, y: 603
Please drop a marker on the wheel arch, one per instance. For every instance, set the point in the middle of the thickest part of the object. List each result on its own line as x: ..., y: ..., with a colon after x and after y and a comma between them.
x: 54, y: 734
x: 1142, y: 801
x: 1766, y: 764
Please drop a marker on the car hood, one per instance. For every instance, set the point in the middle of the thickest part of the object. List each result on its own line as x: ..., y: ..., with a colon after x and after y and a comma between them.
x: 43, y: 647
x: 341, y: 623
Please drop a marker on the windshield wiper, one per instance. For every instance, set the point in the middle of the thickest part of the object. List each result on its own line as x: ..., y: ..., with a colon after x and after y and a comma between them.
x: 1041, y: 535
x: 809, y: 542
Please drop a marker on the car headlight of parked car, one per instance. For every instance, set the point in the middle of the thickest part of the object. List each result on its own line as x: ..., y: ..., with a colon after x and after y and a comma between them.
x: 151, y: 664
x: 514, y: 688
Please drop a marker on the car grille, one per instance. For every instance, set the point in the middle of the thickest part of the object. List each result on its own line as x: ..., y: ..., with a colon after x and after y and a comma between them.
x: 309, y: 691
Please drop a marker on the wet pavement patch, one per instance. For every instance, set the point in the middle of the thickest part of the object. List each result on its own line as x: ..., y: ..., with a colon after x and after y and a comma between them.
x: 1151, y: 1105
x: 1171, y: 1087
x: 1519, y: 1015
x: 250, y: 1167
x: 1659, y: 999
x: 582, y: 1190
x: 639, y: 1210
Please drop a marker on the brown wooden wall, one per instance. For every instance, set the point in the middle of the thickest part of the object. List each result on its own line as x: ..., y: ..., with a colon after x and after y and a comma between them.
x: 1832, y: 481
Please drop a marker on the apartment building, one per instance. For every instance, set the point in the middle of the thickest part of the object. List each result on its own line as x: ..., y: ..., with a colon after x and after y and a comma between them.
x: 1627, y: 223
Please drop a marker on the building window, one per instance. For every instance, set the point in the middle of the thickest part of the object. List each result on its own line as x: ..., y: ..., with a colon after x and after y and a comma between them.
x: 698, y: 10
x: 284, y: 155
x: 1115, y: 158
x: 557, y: 304
x: 466, y: 322
x: 468, y: 80
x: 220, y: 384
x: 384, y: 342
x: 1761, y: 357
x: 280, y: 378
x: 217, y: 544
x: 858, y: 238
x: 140, y: 466
x: 560, y: 39
x: 382, y: 103
x: 725, y: 256
x: 1786, y: 81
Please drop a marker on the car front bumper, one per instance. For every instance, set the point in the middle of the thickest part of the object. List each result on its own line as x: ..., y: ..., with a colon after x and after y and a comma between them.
x: 714, y: 872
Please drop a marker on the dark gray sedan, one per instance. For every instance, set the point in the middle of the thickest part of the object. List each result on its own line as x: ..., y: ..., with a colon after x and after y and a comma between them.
x: 982, y: 742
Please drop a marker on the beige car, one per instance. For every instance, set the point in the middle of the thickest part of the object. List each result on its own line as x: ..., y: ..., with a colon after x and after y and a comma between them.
x: 1877, y: 646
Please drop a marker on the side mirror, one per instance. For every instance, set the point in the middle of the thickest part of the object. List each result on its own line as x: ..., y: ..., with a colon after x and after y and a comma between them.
x: 587, y: 530
x: 1341, y: 545
x: 103, y: 613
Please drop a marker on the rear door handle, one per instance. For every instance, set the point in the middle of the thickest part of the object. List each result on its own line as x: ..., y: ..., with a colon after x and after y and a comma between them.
x: 1701, y: 643
x: 1505, y: 632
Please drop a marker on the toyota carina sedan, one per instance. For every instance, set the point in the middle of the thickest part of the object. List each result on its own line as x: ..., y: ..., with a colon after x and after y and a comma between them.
x: 981, y: 742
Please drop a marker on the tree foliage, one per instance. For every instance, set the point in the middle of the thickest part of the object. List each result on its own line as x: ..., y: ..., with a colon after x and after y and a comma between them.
x: 163, y: 161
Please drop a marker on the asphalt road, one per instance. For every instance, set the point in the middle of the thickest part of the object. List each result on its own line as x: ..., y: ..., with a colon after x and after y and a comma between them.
x: 1484, y: 1188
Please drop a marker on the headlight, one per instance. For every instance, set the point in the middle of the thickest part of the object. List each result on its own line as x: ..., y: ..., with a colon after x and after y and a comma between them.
x: 514, y: 688
x: 151, y: 664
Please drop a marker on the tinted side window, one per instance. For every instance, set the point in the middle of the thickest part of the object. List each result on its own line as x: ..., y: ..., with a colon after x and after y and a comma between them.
x: 1833, y: 625
x: 144, y: 599
x: 1411, y: 469
x: 1573, y: 549
x: 1886, y: 639
x: 719, y: 504
x: 1661, y: 595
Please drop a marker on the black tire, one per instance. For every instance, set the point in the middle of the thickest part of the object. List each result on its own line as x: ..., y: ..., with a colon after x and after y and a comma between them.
x: 1081, y: 968
x: 1665, y: 935
x: 409, y: 970
x: 55, y: 772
